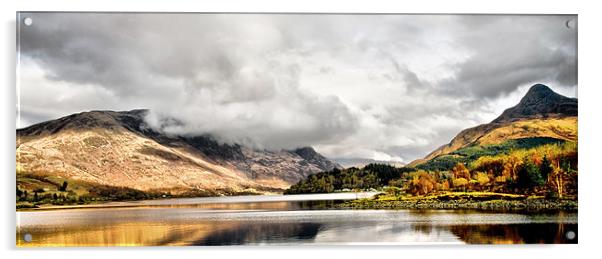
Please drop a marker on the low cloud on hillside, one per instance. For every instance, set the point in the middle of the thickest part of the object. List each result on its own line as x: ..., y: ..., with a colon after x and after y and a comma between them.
x: 381, y: 87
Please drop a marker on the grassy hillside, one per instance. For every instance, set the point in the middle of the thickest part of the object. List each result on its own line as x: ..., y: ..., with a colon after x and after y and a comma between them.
x: 470, y: 153
x: 562, y: 128
x: 35, y: 190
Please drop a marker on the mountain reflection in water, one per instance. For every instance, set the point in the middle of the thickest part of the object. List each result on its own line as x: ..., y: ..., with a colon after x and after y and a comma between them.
x: 285, y: 222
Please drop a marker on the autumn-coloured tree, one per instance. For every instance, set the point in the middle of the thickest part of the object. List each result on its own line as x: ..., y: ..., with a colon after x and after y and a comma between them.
x: 511, y: 166
x: 422, y: 183
x: 490, y: 164
x: 482, y: 178
x: 460, y: 183
x: 460, y: 171
x: 536, y: 158
x: 444, y: 186
x: 558, y: 178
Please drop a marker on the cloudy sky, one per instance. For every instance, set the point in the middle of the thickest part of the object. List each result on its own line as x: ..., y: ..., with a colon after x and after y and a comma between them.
x: 384, y: 87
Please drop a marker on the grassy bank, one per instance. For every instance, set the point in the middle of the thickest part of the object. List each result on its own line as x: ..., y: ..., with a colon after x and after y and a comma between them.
x: 464, y: 200
x: 35, y: 191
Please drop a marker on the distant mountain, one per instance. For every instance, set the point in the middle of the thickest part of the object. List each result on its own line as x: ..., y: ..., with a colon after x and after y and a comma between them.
x: 541, y: 114
x: 361, y: 162
x: 119, y: 149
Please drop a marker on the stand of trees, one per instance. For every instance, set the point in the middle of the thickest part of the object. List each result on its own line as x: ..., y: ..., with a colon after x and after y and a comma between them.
x: 371, y: 176
x: 549, y: 170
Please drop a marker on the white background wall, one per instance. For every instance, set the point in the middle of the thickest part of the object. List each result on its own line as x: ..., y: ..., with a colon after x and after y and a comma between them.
x: 590, y: 82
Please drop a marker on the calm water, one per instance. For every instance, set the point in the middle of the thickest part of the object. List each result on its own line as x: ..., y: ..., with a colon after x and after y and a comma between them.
x: 282, y: 220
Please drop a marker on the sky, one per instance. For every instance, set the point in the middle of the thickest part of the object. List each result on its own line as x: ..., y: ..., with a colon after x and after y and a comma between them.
x: 382, y: 87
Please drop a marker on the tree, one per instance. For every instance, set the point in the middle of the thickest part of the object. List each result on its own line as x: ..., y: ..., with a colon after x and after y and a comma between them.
x: 482, y: 178
x: 511, y: 164
x: 490, y: 164
x: 528, y: 176
x: 545, y: 168
x: 63, y: 188
x: 460, y: 183
x: 19, y: 192
x: 460, y: 171
x: 422, y: 183
x: 558, y: 178
x: 445, y: 185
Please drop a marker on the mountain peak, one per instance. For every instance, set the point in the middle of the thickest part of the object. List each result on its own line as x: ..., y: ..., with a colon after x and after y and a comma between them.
x: 537, y: 93
x: 310, y: 154
x: 539, y: 90
x: 89, y: 119
x: 540, y: 101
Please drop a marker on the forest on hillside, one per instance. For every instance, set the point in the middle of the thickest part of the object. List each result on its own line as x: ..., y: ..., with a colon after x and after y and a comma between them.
x: 548, y: 170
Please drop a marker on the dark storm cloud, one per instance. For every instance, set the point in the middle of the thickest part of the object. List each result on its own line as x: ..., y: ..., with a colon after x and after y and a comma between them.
x: 217, y: 77
x: 510, y: 51
x: 382, y: 87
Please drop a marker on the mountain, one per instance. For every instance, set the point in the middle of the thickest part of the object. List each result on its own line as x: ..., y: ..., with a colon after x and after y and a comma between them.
x: 540, y: 102
x: 361, y: 162
x: 119, y: 149
x: 540, y: 115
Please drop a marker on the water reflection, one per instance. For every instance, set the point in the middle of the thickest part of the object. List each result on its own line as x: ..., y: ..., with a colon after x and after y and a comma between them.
x: 285, y: 222
x: 263, y: 233
x: 547, y: 233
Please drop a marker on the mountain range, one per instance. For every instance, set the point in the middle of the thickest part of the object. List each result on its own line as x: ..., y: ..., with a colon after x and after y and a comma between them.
x: 119, y: 149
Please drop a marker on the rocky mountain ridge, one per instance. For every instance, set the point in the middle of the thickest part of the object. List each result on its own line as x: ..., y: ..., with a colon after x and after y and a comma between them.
x: 119, y: 149
x: 540, y: 113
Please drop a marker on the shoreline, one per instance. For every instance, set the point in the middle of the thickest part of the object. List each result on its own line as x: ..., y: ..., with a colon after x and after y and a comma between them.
x: 183, y: 201
x: 498, y: 205
x: 353, y: 200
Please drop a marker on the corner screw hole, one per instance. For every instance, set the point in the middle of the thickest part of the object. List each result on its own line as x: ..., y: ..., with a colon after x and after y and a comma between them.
x: 570, y: 235
x: 27, y: 237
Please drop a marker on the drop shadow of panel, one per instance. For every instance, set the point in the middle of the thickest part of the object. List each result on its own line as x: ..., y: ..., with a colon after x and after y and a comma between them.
x: 255, y: 233
x: 546, y: 233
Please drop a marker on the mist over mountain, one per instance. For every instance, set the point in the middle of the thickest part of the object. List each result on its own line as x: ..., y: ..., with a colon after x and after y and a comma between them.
x: 383, y: 87
x: 121, y: 149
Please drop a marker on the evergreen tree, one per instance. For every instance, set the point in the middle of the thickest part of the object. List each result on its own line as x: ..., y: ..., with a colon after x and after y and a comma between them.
x: 63, y: 188
x: 545, y: 168
x: 528, y: 176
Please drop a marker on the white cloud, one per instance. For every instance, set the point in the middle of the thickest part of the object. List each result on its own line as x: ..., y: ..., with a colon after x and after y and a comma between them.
x: 382, y: 87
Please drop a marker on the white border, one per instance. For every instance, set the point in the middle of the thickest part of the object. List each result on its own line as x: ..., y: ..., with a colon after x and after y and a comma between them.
x: 590, y: 82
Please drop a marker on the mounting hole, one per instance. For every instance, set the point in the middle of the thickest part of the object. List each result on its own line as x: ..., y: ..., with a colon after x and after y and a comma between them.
x: 27, y: 237
x: 28, y: 21
x: 570, y: 23
x: 570, y: 235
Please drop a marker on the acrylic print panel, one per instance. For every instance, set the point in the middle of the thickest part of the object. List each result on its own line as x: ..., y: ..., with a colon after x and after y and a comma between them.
x: 185, y: 129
